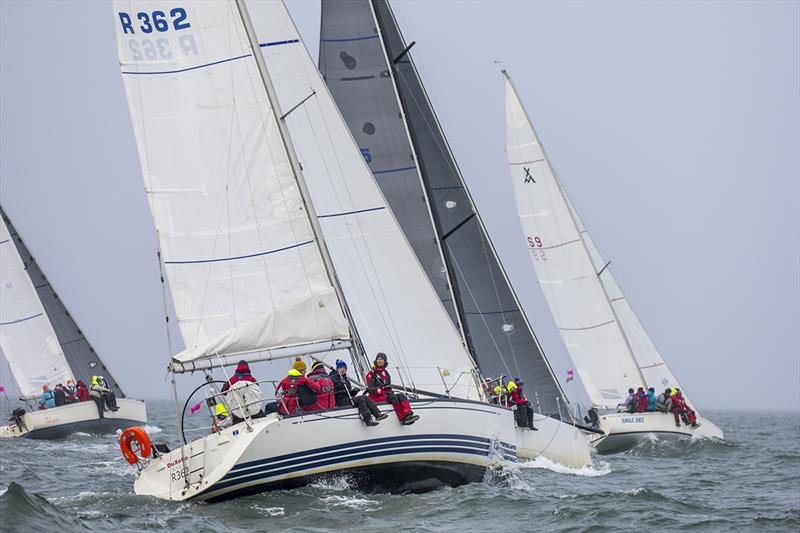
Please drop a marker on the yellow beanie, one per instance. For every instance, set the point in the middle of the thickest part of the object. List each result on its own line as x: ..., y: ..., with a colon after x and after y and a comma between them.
x: 299, y: 365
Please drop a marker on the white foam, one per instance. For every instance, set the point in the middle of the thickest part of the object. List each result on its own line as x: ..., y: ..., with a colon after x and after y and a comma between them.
x: 597, y: 468
x: 151, y: 429
x: 271, y: 511
x: 3, y: 491
x: 334, y: 484
x: 351, y: 502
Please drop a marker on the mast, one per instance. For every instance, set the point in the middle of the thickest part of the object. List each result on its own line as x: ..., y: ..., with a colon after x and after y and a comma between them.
x: 563, y: 194
x: 452, y: 287
x: 297, y: 172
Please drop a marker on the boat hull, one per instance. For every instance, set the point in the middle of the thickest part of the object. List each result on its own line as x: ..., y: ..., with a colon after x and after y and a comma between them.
x: 62, y: 421
x: 452, y: 443
x: 623, y: 431
x: 560, y: 442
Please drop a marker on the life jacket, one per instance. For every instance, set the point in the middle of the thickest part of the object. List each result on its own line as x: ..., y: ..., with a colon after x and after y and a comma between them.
x: 48, y: 399
x: 290, y: 388
x: 83, y: 392
x: 378, y: 379
x: 661, y: 403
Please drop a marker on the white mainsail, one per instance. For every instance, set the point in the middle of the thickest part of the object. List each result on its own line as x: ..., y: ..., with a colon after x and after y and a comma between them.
x: 604, y: 338
x: 26, y: 336
x: 236, y: 241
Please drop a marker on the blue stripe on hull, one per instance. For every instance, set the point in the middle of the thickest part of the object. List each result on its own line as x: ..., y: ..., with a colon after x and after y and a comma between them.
x: 271, y: 473
x: 361, y: 444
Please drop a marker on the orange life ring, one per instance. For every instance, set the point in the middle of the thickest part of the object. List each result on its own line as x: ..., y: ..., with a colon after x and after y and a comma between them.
x: 142, y: 439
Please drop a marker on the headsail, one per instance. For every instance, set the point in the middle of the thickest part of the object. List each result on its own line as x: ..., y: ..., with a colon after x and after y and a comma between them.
x: 27, y: 338
x: 373, y: 79
x: 602, y: 334
x: 236, y: 240
x: 394, y: 306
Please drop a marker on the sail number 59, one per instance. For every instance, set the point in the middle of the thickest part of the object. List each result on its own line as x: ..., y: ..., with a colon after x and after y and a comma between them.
x: 534, y: 243
x: 154, y: 21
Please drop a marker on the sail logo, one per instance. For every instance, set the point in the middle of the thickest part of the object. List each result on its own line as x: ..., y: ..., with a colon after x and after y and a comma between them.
x: 633, y: 420
x: 528, y: 177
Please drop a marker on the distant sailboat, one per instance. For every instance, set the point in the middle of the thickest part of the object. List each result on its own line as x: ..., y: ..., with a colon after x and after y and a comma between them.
x: 277, y: 242
x: 44, y: 346
x: 368, y: 67
x: 605, y: 339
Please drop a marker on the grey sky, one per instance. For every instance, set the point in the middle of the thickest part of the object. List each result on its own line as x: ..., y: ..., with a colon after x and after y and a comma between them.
x: 674, y: 126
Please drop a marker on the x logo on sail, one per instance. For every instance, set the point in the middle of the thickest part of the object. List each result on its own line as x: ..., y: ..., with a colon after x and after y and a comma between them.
x: 528, y: 177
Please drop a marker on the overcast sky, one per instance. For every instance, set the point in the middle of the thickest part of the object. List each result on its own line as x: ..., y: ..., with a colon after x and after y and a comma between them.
x: 674, y: 126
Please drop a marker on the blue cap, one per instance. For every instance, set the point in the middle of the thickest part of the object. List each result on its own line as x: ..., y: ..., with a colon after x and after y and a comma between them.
x: 340, y: 364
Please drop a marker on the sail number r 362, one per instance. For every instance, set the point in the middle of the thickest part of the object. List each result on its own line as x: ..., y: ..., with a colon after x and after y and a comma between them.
x: 154, y: 21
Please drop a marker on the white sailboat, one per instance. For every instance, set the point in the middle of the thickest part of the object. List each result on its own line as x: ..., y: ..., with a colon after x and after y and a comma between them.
x: 605, y: 339
x: 276, y: 242
x: 43, y: 346
x: 369, y: 69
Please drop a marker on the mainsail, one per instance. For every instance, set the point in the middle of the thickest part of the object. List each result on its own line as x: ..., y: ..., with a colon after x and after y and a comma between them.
x: 39, y: 338
x: 238, y: 242
x: 603, y: 336
x: 370, y: 73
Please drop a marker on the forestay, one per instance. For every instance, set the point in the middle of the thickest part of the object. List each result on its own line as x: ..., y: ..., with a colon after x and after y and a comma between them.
x: 372, y: 77
x: 394, y: 306
x: 244, y: 267
x: 569, y: 280
x: 26, y: 337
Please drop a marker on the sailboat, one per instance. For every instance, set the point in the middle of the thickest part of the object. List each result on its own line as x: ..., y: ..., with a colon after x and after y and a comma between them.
x: 44, y: 346
x: 369, y: 70
x: 607, y: 343
x: 276, y: 242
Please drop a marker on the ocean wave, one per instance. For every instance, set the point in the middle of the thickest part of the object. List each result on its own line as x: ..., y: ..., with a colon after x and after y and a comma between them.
x: 29, y: 511
x: 351, y: 502
x: 654, y: 446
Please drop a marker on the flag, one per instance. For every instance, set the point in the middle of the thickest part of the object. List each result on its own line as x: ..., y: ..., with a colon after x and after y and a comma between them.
x: 570, y: 375
x: 194, y: 408
x: 2, y: 389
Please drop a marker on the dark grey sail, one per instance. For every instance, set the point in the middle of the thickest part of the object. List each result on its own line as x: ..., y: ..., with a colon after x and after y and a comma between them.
x: 369, y: 70
x: 365, y: 89
x: 81, y: 357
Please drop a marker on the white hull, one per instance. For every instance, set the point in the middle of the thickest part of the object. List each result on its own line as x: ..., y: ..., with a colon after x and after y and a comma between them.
x: 623, y: 431
x: 452, y: 443
x: 82, y: 416
x: 555, y: 440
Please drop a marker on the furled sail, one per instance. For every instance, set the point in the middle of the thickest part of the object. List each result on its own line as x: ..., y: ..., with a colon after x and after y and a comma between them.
x: 605, y: 340
x: 27, y: 338
x: 243, y: 264
x: 370, y: 73
x: 394, y: 306
x: 83, y: 361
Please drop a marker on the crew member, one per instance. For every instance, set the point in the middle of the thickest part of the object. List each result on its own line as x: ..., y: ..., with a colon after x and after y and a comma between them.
x: 288, y: 392
x: 523, y: 413
x: 71, y: 391
x: 664, y: 401
x: 242, y: 374
x: 629, y: 405
x: 48, y: 398
x: 651, y: 400
x: 60, y: 395
x: 83, y: 391
x: 324, y: 397
x: 682, y: 410
x: 641, y: 400
x: 379, y: 385
x: 346, y: 395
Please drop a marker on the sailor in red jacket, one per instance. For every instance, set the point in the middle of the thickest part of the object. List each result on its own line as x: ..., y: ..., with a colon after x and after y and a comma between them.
x: 288, y: 395
x: 641, y: 400
x: 679, y: 408
x: 379, y: 385
x: 325, y: 399
x: 83, y: 392
x: 523, y: 413
x: 242, y: 374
